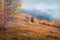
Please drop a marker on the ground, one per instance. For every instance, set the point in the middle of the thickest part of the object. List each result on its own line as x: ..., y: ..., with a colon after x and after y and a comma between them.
x: 28, y: 31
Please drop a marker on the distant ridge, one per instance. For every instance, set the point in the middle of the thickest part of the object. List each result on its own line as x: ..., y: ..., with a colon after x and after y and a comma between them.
x: 37, y: 13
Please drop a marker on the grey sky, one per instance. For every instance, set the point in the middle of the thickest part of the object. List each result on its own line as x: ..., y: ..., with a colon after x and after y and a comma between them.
x: 43, y: 5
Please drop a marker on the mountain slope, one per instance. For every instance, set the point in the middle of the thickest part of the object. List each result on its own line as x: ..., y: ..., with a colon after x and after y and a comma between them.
x: 20, y: 27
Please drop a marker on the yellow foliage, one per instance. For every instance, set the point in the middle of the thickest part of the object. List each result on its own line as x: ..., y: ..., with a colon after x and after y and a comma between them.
x: 30, y: 23
x: 43, y: 21
x: 58, y: 24
x: 52, y: 23
x: 36, y: 20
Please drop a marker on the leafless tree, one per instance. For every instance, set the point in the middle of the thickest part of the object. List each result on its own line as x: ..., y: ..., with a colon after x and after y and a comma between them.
x: 10, y: 7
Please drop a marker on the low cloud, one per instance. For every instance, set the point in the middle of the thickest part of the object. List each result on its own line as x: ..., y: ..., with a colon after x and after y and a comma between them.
x: 51, y: 7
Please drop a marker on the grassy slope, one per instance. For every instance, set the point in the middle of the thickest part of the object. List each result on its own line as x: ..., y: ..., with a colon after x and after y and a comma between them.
x: 29, y: 32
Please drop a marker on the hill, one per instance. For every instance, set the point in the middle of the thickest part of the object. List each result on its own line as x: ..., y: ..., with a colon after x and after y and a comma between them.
x: 26, y: 27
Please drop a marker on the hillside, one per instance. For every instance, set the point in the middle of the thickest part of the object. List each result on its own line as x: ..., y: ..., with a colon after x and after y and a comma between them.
x: 23, y: 27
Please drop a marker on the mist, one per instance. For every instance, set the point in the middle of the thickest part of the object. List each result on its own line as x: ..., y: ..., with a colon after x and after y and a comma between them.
x: 50, y: 7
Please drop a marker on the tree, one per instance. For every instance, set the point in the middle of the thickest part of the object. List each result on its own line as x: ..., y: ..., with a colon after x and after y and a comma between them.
x: 10, y: 7
x: 36, y: 21
x: 1, y: 14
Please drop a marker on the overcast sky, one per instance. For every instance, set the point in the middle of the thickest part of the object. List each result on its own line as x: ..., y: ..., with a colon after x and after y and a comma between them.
x: 44, y: 6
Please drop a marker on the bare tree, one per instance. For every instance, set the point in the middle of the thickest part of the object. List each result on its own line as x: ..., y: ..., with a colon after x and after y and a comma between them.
x: 10, y: 7
x: 1, y: 14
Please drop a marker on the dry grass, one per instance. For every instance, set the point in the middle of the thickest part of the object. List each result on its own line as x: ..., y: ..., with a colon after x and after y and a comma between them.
x: 29, y: 32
